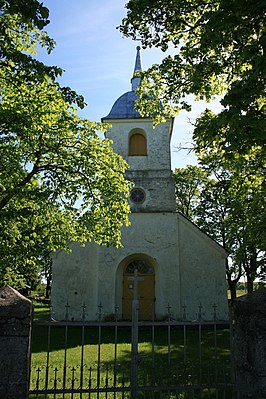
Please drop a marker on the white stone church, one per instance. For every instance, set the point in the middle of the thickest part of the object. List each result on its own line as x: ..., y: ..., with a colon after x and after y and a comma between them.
x: 179, y: 267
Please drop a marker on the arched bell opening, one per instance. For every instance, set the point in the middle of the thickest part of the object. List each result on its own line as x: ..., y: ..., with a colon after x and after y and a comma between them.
x: 137, y: 145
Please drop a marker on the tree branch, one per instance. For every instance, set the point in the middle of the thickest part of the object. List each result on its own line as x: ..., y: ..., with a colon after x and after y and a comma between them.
x: 4, y: 201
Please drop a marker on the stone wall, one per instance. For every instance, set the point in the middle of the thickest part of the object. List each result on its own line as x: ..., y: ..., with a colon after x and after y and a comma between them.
x: 250, y: 344
x: 15, y: 333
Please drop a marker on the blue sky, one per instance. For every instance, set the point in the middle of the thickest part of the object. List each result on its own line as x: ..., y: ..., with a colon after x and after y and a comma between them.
x: 98, y: 61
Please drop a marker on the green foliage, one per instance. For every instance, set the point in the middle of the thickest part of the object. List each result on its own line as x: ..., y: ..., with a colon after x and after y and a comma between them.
x: 189, y: 185
x: 227, y: 212
x: 219, y: 47
x: 243, y: 172
x: 59, y: 182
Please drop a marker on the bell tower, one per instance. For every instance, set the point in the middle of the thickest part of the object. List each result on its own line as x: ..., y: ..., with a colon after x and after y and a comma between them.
x: 145, y: 149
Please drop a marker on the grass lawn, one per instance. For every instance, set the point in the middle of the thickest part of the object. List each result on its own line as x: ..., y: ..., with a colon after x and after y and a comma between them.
x: 174, y: 355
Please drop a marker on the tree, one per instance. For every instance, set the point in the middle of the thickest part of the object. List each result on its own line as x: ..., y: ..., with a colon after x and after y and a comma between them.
x: 189, y: 184
x: 215, y: 216
x: 246, y: 184
x: 219, y: 50
x: 223, y: 211
x: 59, y: 182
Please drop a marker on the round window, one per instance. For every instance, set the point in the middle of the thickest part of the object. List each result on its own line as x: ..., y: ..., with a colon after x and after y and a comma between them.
x: 137, y: 195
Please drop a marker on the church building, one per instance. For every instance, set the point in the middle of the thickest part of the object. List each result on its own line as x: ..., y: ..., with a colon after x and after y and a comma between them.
x: 179, y: 267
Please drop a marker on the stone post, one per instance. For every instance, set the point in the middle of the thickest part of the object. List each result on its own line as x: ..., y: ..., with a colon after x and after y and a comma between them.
x: 250, y: 344
x: 15, y: 336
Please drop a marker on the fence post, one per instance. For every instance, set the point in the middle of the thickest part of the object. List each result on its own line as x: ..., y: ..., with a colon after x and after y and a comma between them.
x: 250, y: 344
x: 134, y: 339
x: 15, y: 336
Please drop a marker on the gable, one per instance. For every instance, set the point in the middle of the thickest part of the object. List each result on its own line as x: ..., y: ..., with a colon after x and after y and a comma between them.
x: 195, y: 231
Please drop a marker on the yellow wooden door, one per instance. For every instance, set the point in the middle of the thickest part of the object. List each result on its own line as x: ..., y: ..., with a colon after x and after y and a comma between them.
x: 146, y: 295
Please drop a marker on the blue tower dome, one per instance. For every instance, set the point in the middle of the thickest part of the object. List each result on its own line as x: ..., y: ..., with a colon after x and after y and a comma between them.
x: 124, y: 107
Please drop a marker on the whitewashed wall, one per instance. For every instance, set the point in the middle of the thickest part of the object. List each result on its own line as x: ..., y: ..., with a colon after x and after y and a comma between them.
x: 189, y: 270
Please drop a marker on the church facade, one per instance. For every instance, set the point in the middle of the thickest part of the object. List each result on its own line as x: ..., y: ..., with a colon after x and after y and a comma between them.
x: 178, y: 266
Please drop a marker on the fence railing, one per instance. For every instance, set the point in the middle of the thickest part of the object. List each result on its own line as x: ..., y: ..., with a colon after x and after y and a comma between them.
x: 136, y: 359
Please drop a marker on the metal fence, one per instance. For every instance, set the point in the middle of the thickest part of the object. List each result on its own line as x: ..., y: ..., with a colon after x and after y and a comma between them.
x: 116, y: 359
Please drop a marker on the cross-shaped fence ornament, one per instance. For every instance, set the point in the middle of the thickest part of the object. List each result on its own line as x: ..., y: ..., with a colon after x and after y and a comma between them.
x: 100, y: 311
x: 67, y: 310
x: 116, y: 312
x: 200, y: 312
x: 214, y: 312
x: 51, y: 313
x: 169, y: 311
x: 83, y: 311
x: 184, y: 312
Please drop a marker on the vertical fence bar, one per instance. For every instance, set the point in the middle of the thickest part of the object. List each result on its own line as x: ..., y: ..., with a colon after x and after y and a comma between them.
x: 184, y: 334
x: 185, y: 342
x: 232, y: 356
x: 55, y: 381
x: 134, y: 340
x: 48, y: 353
x: 115, y: 354
x: 209, y: 380
x: 99, y: 352
x: 161, y: 383
x: 169, y: 335
x: 215, y: 333
x: 65, y: 349
x: 73, y: 370
x: 168, y: 349
x: 82, y: 347
x: 123, y: 383
x: 185, y: 380
x: 153, y: 355
x: 193, y: 381
x: 177, y: 381
x: 225, y: 381
x: 200, y: 332
x: 47, y: 360
x: 38, y: 371
x: 200, y: 349
x: 90, y: 382
x: 106, y: 381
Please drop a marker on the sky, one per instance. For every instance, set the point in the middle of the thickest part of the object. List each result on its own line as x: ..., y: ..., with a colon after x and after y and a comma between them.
x: 98, y: 62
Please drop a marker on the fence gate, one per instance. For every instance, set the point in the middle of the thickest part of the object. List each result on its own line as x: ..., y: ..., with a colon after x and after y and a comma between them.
x: 147, y: 359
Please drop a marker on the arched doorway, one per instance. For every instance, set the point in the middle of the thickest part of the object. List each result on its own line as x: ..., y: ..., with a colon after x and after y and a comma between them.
x: 146, y: 289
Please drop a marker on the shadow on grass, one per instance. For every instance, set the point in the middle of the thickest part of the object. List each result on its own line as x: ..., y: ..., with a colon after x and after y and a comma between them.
x: 167, y: 361
x: 189, y: 340
x: 173, y: 362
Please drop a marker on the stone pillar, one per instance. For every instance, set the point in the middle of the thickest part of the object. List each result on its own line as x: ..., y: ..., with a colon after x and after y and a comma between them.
x: 250, y: 344
x: 15, y: 336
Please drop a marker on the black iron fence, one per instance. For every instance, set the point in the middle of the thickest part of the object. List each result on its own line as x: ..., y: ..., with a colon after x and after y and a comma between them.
x: 136, y: 359
x: 116, y: 359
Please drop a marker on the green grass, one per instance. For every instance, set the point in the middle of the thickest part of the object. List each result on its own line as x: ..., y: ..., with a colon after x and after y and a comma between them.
x: 41, y: 311
x: 167, y: 362
x: 238, y: 293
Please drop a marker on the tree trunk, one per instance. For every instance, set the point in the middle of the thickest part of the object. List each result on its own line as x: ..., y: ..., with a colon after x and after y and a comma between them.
x: 48, y: 286
x: 252, y: 269
x: 250, y: 285
x: 232, y: 288
x: 232, y: 282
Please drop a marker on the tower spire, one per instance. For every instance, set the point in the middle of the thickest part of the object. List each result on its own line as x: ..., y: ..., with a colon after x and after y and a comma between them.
x: 135, y: 79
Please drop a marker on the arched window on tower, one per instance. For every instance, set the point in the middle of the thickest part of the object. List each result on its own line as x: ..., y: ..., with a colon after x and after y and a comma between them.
x: 137, y: 144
